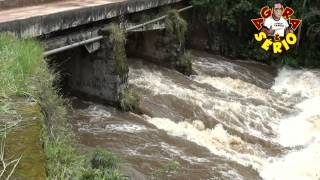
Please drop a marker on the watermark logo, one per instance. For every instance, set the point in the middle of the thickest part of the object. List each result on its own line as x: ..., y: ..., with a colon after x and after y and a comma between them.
x: 276, y: 28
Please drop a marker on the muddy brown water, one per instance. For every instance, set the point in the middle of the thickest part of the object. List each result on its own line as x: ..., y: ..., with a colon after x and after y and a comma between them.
x: 222, y: 123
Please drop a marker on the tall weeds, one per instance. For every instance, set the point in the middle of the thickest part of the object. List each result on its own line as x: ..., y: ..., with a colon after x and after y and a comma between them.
x: 24, y: 73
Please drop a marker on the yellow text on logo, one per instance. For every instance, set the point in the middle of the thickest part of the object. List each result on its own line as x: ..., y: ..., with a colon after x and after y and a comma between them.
x: 278, y: 47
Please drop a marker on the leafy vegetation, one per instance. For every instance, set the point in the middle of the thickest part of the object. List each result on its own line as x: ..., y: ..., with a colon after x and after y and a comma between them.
x: 104, y: 165
x: 25, y: 73
x: 167, y: 169
x: 117, y: 38
x: 63, y: 160
x: 102, y: 159
x: 129, y: 100
x: 176, y: 28
x: 18, y: 62
x: 183, y: 64
x: 229, y: 22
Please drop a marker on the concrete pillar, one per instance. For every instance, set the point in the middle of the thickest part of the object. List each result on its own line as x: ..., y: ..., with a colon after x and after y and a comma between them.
x: 159, y: 48
x: 94, y: 75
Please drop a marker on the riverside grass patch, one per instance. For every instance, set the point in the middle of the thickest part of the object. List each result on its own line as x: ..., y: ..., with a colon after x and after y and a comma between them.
x: 25, y: 74
x: 19, y: 64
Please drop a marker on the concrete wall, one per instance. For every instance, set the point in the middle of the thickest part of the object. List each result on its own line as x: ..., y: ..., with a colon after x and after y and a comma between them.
x: 93, y: 75
x: 6, y: 4
x: 148, y: 45
x: 197, y: 37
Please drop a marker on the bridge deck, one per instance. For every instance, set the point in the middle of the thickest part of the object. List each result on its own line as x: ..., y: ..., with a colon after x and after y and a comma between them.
x: 49, y: 8
x: 43, y: 19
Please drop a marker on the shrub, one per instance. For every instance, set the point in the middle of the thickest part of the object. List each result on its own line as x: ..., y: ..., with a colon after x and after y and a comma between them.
x: 176, y: 26
x: 184, y: 64
x: 129, y: 100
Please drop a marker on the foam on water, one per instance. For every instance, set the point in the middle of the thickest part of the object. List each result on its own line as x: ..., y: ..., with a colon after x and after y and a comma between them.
x: 237, y: 86
x: 249, y: 118
x: 212, y: 66
x: 297, y: 165
x: 302, y: 128
x: 217, y: 140
x: 130, y: 128
x: 96, y: 112
x: 303, y: 82
x: 299, y: 127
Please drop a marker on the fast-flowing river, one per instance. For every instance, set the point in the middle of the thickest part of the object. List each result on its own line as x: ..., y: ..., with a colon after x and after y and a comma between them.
x: 232, y: 120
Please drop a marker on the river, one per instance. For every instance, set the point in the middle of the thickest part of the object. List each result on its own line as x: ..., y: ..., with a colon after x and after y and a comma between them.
x: 232, y: 120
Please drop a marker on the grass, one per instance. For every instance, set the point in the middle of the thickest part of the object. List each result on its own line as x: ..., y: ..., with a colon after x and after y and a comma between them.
x: 63, y: 160
x: 176, y: 26
x: 104, y: 165
x: 24, y: 73
x: 102, y: 159
x: 166, y: 169
x: 129, y: 101
x: 184, y: 64
x: 117, y: 37
x: 18, y: 64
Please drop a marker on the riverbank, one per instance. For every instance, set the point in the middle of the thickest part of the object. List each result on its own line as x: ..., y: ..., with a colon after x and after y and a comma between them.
x: 33, y: 118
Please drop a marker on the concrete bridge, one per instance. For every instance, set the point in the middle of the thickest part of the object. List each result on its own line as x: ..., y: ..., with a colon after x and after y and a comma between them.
x: 47, y: 20
x: 89, y: 71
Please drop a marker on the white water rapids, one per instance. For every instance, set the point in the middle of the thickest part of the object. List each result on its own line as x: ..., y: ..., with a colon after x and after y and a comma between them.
x: 237, y: 111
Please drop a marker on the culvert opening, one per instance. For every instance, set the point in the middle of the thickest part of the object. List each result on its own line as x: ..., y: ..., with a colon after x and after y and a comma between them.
x: 64, y: 63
